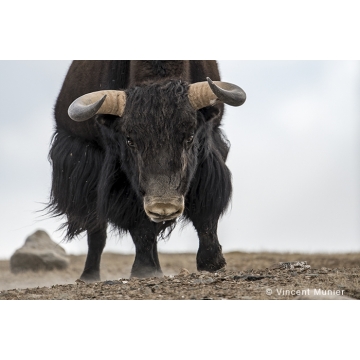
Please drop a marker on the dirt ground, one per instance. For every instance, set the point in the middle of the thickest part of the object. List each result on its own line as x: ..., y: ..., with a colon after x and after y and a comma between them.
x: 247, y: 276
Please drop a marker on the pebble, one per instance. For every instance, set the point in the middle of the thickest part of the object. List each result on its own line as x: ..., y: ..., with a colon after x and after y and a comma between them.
x: 311, y: 276
x: 184, y: 272
x: 251, y: 277
x: 207, y: 280
x: 108, y: 282
x: 34, y: 296
x: 147, y: 291
x: 197, y: 281
x: 62, y: 297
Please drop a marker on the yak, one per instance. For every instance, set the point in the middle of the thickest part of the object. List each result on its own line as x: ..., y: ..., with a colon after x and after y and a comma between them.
x: 137, y: 145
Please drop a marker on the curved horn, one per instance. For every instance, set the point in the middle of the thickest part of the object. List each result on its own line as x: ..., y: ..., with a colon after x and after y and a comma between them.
x: 99, y: 102
x: 208, y: 92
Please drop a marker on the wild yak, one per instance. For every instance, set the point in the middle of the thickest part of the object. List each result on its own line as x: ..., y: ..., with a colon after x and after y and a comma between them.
x: 137, y: 145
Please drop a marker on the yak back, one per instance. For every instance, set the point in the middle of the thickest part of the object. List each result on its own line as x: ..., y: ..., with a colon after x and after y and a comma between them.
x: 86, y: 76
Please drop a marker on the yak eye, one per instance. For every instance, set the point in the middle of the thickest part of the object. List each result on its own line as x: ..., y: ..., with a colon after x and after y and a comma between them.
x: 130, y: 142
x: 190, y: 139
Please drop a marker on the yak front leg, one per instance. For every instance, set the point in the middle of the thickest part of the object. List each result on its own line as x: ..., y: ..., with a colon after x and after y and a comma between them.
x: 146, y: 263
x: 96, y: 243
x: 209, y: 256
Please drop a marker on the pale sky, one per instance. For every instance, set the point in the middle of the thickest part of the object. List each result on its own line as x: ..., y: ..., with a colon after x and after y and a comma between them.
x: 294, y: 157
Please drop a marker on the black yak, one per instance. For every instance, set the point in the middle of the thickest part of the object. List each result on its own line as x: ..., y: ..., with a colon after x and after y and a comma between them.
x: 137, y: 145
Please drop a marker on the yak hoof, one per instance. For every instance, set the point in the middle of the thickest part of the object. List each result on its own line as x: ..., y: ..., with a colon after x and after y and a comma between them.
x: 146, y: 273
x: 211, y: 265
x: 90, y: 277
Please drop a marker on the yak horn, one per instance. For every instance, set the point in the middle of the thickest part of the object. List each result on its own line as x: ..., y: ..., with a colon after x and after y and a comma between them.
x: 209, y: 92
x: 98, y: 102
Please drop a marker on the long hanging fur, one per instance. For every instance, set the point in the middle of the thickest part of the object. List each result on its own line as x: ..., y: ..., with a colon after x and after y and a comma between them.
x: 76, y: 168
x: 210, y: 189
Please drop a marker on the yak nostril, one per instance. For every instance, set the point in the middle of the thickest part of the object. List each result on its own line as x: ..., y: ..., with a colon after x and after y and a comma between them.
x: 160, y: 214
x: 154, y: 213
x: 163, y: 210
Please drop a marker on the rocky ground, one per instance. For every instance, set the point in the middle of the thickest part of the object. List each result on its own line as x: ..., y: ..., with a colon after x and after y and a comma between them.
x: 247, y: 276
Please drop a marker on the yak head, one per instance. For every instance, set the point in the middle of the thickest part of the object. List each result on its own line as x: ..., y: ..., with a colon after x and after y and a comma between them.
x: 155, y: 130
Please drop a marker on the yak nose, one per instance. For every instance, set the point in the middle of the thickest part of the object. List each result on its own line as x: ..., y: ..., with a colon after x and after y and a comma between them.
x: 162, y: 211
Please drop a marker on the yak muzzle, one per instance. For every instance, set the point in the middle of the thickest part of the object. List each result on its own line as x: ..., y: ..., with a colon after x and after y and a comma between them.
x: 160, y: 209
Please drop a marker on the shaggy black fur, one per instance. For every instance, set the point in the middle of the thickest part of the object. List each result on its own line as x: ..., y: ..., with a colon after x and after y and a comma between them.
x: 99, y: 179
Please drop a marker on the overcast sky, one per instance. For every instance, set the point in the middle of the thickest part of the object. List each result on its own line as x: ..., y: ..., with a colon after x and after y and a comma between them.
x: 294, y: 157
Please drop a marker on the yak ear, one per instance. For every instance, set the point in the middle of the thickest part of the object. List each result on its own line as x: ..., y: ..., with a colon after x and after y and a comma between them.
x: 213, y: 113
x: 106, y: 119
